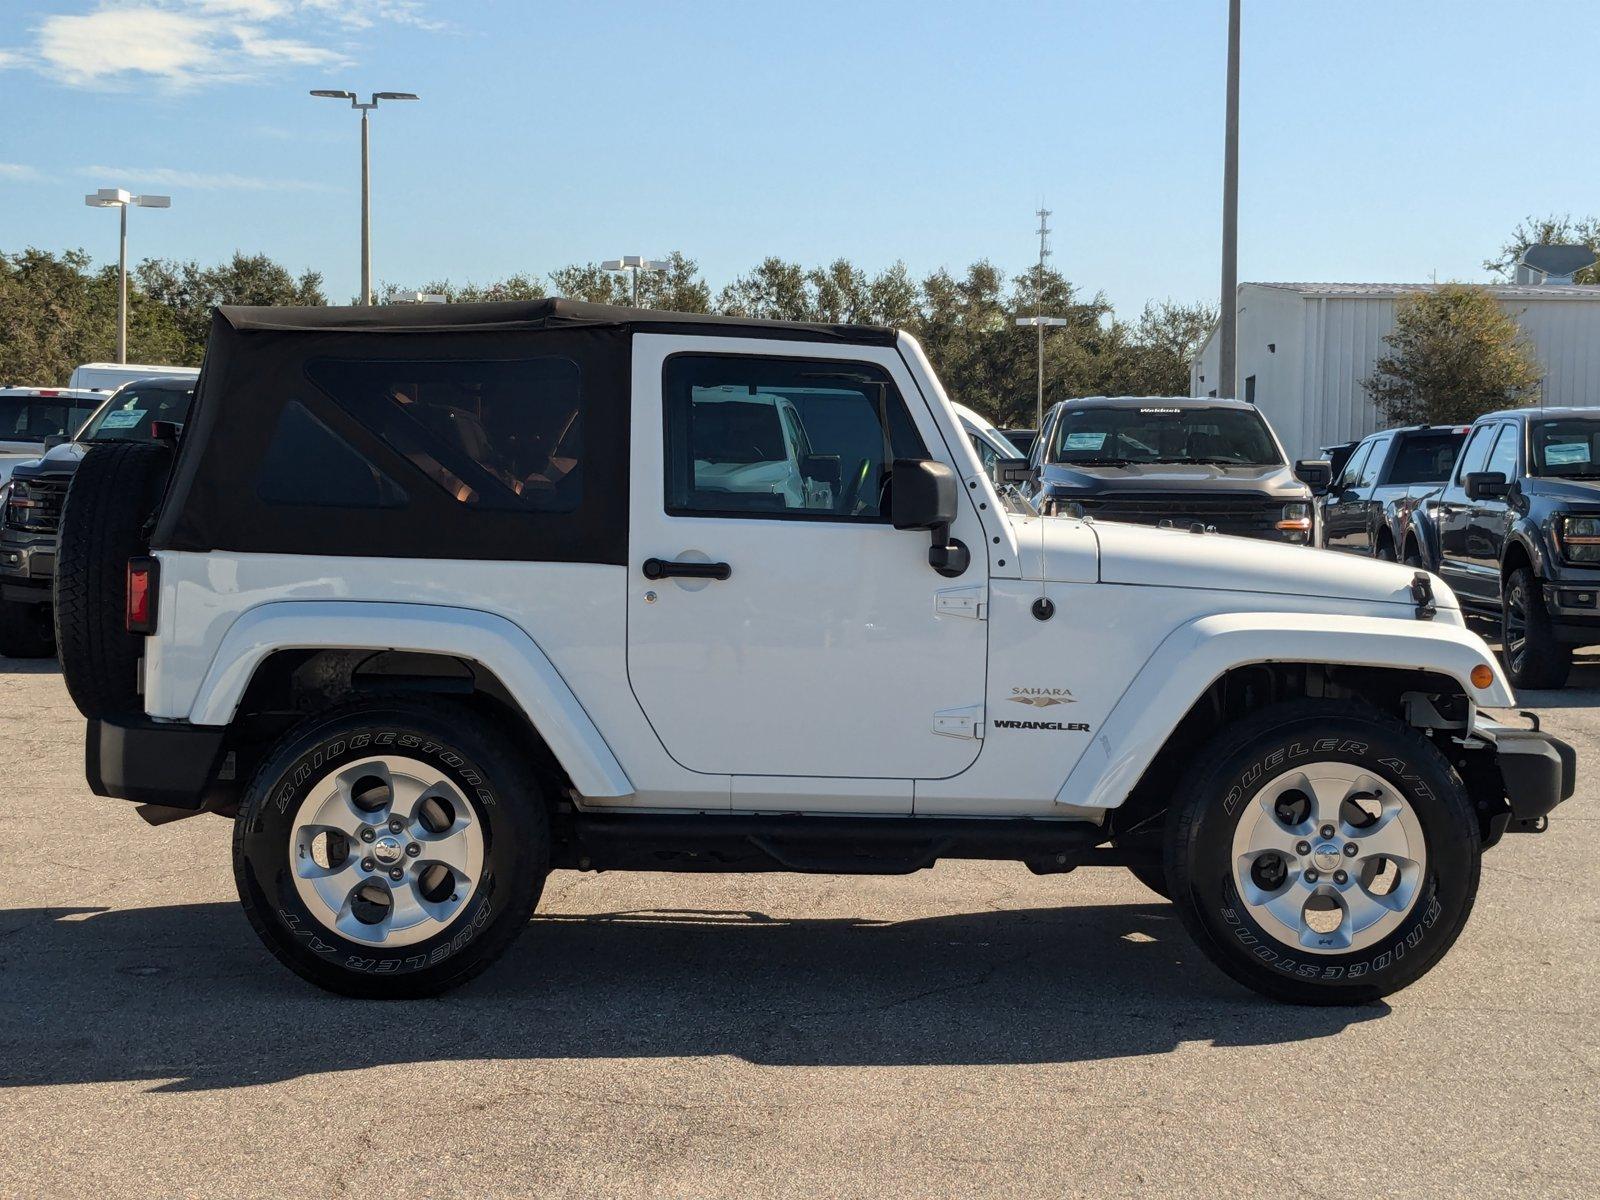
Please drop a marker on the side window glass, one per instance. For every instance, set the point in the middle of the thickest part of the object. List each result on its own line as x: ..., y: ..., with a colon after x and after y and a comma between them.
x: 1042, y: 441
x: 1472, y: 458
x: 727, y: 453
x: 307, y: 463
x: 1352, y: 469
x: 1504, y: 457
x: 504, y: 435
x: 1373, y: 464
x: 986, y: 453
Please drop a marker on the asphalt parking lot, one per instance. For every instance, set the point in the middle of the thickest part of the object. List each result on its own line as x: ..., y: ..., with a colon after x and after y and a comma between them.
x: 970, y: 1030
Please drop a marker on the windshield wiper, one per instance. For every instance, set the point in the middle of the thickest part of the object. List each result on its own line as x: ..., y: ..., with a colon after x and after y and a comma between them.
x: 1098, y: 462
x: 1210, y: 459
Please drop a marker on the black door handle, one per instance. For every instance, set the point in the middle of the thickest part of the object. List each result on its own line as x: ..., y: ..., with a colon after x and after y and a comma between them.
x: 656, y: 568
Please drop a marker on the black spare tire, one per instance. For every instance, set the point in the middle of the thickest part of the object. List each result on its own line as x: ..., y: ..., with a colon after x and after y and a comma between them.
x: 105, y: 522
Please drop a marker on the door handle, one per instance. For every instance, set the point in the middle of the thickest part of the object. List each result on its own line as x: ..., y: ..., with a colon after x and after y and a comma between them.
x: 656, y: 568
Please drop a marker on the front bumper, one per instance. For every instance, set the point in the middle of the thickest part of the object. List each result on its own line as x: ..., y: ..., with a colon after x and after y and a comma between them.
x: 27, y: 567
x: 169, y: 763
x: 1537, y: 771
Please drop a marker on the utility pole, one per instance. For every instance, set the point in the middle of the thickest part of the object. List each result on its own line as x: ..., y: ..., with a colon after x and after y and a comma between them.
x: 121, y: 199
x: 633, y: 264
x: 1227, y: 369
x: 1039, y: 320
x: 366, y: 174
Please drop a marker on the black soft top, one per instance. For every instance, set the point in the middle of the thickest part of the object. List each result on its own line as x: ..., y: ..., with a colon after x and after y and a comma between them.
x: 506, y: 316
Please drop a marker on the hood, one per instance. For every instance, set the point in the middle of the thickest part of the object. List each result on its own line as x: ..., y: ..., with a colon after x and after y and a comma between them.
x: 1578, y: 491
x: 61, y: 460
x: 1064, y: 550
x: 9, y: 462
x: 1200, y: 478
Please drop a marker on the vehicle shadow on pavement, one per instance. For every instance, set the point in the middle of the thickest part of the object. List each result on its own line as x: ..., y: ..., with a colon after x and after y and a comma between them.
x: 182, y: 996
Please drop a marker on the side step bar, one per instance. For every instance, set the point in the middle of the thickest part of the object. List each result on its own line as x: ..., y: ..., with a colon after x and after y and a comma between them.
x: 823, y: 844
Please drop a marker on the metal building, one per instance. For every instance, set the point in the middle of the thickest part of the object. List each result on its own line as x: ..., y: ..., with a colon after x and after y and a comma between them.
x: 1304, y: 348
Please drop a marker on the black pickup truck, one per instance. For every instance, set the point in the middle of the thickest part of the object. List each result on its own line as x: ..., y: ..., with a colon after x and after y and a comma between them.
x: 30, y: 507
x: 1383, y: 479
x: 1515, y: 532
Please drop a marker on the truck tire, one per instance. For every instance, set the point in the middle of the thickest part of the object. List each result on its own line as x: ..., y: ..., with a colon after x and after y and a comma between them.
x: 391, y: 849
x: 1533, y: 657
x: 1323, y: 852
x: 25, y: 630
x: 1154, y: 878
x: 105, y: 522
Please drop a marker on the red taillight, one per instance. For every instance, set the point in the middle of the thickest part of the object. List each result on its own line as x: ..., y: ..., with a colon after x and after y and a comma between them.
x: 143, y: 582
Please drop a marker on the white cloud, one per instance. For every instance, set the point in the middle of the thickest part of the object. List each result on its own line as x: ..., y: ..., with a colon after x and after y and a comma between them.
x: 20, y: 172
x: 189, y: 43
x: 200, y: 180
x: 11, y: 58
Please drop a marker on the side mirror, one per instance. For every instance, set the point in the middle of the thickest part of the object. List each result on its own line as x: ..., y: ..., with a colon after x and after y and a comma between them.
x: 54, y: 440
x: 1486, y: 485
x: 165, y: 431
x: 1012, y: 470
x: 1315, y: 473
x: 824, y: 468
x: 923, y: 495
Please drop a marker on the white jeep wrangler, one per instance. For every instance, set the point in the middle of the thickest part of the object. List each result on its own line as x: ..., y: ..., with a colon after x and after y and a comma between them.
x: 432, y: 601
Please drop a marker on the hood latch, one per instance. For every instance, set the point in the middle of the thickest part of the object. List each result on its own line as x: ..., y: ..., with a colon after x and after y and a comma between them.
x: 1422, y: 594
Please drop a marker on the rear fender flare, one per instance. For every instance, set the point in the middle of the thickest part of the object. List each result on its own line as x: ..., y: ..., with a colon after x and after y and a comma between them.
x: 492, y: 641
x: 1195, y: 655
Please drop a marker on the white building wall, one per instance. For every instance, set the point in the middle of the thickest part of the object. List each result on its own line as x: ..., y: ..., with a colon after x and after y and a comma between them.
x: 1310, y: 387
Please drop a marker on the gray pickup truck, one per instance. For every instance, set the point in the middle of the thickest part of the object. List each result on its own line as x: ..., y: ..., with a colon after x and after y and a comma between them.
x: 1368, y: 509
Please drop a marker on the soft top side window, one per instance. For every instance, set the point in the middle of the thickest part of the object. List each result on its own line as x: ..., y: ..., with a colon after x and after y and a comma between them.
x: 754, y: 436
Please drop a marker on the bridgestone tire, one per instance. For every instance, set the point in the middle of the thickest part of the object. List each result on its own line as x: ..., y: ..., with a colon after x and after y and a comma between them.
x: 105, y: 522
x: 1544, y: 662
x: 1226, y: 780
x: 458, y: 744
x: 25, y: 630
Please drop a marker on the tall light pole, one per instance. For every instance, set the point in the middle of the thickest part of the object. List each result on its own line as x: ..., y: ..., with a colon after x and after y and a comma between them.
x: 366, y: 174
x: 1227, y: 370
x: 1039, y: 320
x: 633, y: 264
x: 120, y: 199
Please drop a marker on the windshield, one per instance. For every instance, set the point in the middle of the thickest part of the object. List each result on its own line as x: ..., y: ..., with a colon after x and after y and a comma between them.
x: 34, y: 418
x: 1230, y: 436
x: 1568, y: 448
x: 128, y: 415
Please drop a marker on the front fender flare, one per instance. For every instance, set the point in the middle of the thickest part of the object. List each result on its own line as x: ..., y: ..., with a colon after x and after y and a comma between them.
x: 492, y: 641
x: 1194, y: 656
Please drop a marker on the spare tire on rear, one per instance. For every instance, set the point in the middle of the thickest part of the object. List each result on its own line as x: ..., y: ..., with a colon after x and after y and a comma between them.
x: 106, y: 521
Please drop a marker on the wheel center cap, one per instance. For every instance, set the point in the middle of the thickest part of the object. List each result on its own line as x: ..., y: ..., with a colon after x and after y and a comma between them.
x: 388, y: 850
x: 1326, y: 856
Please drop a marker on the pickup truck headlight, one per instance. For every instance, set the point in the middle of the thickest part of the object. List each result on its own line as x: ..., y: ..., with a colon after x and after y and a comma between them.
x: 1295, y: 524
x: 1579, y: 538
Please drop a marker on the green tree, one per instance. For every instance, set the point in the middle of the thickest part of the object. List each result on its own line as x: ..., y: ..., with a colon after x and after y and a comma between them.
x: 1164, y: 342
x: 191, y: 291
x: 1553, y: 230
x: 1454, y: 354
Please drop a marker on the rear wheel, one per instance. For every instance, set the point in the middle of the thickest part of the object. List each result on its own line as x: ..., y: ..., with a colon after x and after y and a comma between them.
x: 1533, y: 657
x: 1323, y: 853
x: 391, y: 850
x: 25, y: 630
x: 105, y: 522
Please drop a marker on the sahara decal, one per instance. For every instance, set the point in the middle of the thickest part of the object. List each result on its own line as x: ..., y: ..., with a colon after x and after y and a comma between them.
x: 1041, y: 697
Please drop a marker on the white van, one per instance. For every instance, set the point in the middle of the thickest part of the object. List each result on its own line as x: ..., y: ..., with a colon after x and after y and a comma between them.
x: 107, y: 377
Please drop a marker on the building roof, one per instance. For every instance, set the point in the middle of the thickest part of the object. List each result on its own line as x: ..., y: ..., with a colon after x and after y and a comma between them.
x: 513, y: 315
x: 1389, y: 291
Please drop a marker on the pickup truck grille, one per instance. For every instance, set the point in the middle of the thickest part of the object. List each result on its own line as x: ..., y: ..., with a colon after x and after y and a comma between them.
x: 35, y: 504
x: 1249, y: 516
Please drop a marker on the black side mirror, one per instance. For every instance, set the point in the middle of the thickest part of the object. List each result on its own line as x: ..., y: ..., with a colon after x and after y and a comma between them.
x: 824, y: 468
x: 1486, y: 485
x: 1012, y: 470
x: 923, y: 495
x: 1315, y: 473
x: 54, y: 440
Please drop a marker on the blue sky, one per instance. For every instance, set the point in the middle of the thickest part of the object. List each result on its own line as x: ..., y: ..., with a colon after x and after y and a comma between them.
x: 1387, y: 141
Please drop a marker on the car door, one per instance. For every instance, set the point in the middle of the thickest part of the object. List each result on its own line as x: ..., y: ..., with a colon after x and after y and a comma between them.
x: 1368, y: 508
x: 1452, y: 513
x: 1340, y: 507
x: 829, y: 648
x: 1490, y: 519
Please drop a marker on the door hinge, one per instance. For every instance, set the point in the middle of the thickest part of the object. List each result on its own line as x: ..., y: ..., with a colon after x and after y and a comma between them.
x: 959, y: 722
x: 962, y: 602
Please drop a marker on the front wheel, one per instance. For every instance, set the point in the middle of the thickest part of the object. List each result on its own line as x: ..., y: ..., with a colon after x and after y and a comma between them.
x: 1533, y: 657
x: 1323, y: 853
x: 391, y: 849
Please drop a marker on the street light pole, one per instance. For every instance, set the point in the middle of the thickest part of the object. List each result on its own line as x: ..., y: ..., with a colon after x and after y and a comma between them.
x: 1227, y: 369
x: 366, y: 173
x: 120, y: 198
x: 633, y: 264
x: 1039, y: 320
